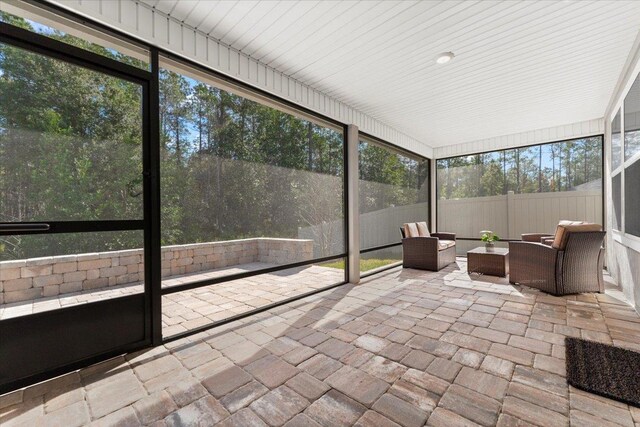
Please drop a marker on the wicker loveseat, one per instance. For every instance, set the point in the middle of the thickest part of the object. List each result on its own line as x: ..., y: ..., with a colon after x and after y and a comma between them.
x: 568, y: 262
x: 424, y: 250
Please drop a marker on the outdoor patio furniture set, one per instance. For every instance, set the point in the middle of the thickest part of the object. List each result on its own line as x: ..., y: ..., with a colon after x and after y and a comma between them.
x: 569, y: 261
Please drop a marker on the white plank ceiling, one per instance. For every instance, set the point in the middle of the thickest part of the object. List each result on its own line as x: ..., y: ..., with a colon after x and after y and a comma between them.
x: 519, y: 65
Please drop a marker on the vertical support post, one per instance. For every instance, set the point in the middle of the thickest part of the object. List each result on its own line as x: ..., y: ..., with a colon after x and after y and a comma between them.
x: 353, y: 215
x: 433, y: 196
x: 153, y: 256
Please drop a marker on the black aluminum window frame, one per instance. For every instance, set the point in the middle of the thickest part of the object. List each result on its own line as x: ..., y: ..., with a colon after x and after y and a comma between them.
x: 602, y: 179
x: 363, y: 137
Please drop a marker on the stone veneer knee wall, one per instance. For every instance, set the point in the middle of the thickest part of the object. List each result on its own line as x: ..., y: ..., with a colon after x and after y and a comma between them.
x: 33, y: 278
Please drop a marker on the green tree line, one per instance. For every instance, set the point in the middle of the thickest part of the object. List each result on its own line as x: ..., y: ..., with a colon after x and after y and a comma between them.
x: 71, y: 149
x: 388, y: 178
x: 561, y: 166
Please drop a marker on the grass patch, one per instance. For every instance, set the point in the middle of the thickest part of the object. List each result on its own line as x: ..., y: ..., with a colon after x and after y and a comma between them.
x: 373, y: 263
x: 365, y: 264
x: 334, y: 264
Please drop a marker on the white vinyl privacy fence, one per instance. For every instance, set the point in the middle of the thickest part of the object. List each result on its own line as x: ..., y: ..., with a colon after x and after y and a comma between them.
x: 511, y: 215
x: 377, y: 228
x: 382, y: 227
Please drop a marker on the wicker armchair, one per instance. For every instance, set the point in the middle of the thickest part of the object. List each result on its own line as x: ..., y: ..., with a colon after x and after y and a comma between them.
x: 433, y: 253
x: 571, y: 264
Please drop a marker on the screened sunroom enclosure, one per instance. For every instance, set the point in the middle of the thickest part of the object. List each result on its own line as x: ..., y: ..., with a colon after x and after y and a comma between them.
x: 146, y: 197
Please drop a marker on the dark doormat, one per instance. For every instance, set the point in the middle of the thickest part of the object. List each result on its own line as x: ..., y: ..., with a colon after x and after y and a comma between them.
x: 603, y: 369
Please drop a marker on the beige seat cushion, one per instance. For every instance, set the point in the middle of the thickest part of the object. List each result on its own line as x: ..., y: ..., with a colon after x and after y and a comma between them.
x: 560, y: 230
x: 411, y: 230
x: 423, y: 230
x: 445, y: 244
x: 566, y: 227
x: 565, y: 222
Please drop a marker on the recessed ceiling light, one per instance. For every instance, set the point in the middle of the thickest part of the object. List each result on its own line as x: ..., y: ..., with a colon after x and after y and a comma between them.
x: 444, y: 57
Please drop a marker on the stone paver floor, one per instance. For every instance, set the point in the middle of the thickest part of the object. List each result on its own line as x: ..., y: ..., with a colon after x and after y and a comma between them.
x: 406, y: 347
x: 189, y: 309
x: 197, y: 307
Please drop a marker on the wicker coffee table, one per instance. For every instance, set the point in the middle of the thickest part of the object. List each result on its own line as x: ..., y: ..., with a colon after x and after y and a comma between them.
x: 495, y: 263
